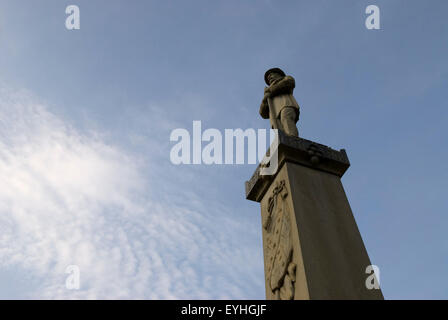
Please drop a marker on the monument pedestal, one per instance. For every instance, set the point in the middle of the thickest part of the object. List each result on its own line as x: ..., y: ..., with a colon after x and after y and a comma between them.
x: 311, y: 243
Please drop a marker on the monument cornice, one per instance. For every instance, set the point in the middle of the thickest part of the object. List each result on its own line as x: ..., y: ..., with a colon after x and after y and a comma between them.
x: 301, y: 151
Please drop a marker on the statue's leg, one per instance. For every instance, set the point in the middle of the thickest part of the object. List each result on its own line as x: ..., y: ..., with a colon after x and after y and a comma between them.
x: 288, y: 119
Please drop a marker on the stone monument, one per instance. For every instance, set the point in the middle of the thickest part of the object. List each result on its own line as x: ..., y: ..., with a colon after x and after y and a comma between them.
x: 311, y: 243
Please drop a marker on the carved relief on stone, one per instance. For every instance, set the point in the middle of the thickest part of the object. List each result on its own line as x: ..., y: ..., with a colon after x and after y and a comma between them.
x: 280, y: 270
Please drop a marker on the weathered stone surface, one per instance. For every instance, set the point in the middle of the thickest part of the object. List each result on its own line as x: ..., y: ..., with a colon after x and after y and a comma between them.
x: 301, y: 151
x: 311, y: 243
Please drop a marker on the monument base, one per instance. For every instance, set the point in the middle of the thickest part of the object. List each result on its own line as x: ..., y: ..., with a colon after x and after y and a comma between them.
x: 312, y: 245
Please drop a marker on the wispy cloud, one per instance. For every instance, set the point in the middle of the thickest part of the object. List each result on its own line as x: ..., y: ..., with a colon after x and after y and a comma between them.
x: 68, y: 198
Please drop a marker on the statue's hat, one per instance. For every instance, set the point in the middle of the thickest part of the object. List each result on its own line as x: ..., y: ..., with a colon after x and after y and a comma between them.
x: 276, y: 70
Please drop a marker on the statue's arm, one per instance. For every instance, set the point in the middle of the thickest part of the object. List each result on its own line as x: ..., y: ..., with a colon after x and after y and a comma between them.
x: 264, y: 109
x: 286, y: 85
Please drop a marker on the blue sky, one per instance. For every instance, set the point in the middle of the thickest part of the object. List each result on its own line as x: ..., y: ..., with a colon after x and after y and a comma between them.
x: 86, y: 115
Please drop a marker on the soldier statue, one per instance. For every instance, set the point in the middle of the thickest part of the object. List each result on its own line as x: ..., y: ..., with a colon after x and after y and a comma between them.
x: 279, y: 105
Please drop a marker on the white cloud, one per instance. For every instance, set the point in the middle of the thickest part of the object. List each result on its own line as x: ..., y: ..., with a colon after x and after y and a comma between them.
x: 68, y: 198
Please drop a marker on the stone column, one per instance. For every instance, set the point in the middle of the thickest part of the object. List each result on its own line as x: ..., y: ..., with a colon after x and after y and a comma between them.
x: 311, y: 244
